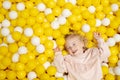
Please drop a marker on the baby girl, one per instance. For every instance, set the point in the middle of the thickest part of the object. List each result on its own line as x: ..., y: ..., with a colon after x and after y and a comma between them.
x: 81, y: 63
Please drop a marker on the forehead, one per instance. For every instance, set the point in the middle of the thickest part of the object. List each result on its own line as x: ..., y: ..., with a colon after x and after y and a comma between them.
x: 72, y: 39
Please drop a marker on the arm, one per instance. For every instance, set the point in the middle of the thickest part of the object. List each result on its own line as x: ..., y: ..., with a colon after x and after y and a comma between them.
x: 102, y: 47
x: 59, y: 61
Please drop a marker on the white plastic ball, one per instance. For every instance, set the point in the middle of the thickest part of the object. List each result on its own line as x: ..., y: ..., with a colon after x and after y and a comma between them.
x: 105, y: 64
x: 3, y: 44
x: 40, y: 48
x: 111, y: 71
x: 85, y: 28
x: 65, y: 77
x: 50, y: 37
x: 20, y: 6
x: 13, y: 15
x: 31, y: 75
x: 10, y: 39
x: 6, y: 4
x: 55, y: 25
x: 28, y: 32
x: 5, y: 31
x: 114, y: 7
x: 15, y: 57
x: 5, y: 23
x: 48, y: 11
x: 61, y: 20
x: 98, y: 23
x: 46, y: 64
x: 117, y: 70
x: 105, y: 21
x: 118, y: 63
x: 91, y: 9
x: 117, y: 37
x: 73, y: 2
x: 41, y: 6
x: 58, y: 74
x: 35, y: 40
x: 55, y: 44
x: 22, y: 50
x: 66, y: 13
x: 110, y: 42
x: 19, y: 29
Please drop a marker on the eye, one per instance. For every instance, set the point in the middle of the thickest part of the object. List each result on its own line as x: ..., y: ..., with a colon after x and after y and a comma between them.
x: 74, y: 44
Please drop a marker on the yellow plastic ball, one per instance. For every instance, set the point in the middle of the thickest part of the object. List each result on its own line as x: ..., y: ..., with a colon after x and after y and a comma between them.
x: 2, y: 75
x: 68, y: 6
x: 38, y: 31
x: 110, y: 16
x: 11, y: 75
x: 31, y: 65
x: 76, y: 10
x: 13, y: 7
x: 114, y: 24
x: 64, y: 30
x: 109, y: 77
x: 51, y: 70
x: 79, y: 17
x: 60, y: 78
x: 52, y: 78
x: 21, y: 44
x: 110, y: 32
x: 31, y: 20
x: 72, y: 18
x: 1, y: 17
x: 50, y: 17
x: 25, y: 13
x: 86, y: 14
x: 60, y: 3
x: 6, y: 61
x: 57, y: 10
x: 40, y: 69
x: 21, y: 22
x: 24, y: 39
x: 105, y: 2
x: 107, y: 10
x: 76, y: 26
x: 49, y: 44
x: 44, y: 76
x: 99, y: 8
x: 114, y: 50
x: 113, y: 59
x: 16, y: 35
x: 60, y: 41
x: 3, y: 11
x: 89, y: 36
x: 31, y: 56
x: 46, y: 25
x: 105, y: 70
x: 3, y: 50
x: 64, y: 52
x: 118, y: 77
x: 19, y: 66
x: 13, y: 47
x: 96, y: 2
x: 42, y: 58
x: 23, y: 58
x: 100, y: 15
x: 12, y: 66
x: 102, y: 29
x: 29, y: 4
x: 90, y: 44
x: 21, y: 74
x: 91, y: 22
x: 40, y: 18
x: 104, y: 36
x: 49, y: 52
x: 11, y: 28
x: 56, y: 34
x: 30, y: 47
x: 14, y: 22
x: 43, y: 39
x: 51, y: 4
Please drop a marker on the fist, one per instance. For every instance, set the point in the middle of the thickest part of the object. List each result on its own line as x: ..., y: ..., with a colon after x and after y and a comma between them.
x: 97, y: 35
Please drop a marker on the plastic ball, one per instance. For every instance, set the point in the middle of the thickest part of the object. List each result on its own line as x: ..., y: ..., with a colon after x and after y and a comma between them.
x: 117, y: 70
x: 40, y: 69
x: 20, y: 6
x: 98, y: 22
x: 113, y: 59
x: 55, y: 44
x: 10, y: 39
x: 91, y: 9
x: 41, y: 7
x: 39, y: 31
x: 119, y: 29
x: 42, y: 58
x: 61, y: 20
x: 5, y: 31
x: 111, y: 71
x: 2, y: 75
x: 35, y: 40
x: 16, y: 35
x: 73, y: 2
x: 109, y: 77
x: 40, y: 48
x: 114, y: 7
x: 15, y: 57
x: 117, y: 37
x: 105, y: 70
x: 66, y: 13
x: 105, y: 21
x: 48, y: 11
x: 55, y: 25
x: 114, y: 50
x: 18, y: 28
x: 6, y: 4
x: 11, y: 75
x: 58, y: 74
x: 31, y: 75
x: 110, y: 42
x: 13, y: 47
x: 22, y: 50
x: 44, y: 76
x: 28, y: 32
x: 21, y: 74
x: 13, y: 15
x: 118, y: 62
x: 57, y: 11
x: 5, y: 23
x: 85, y: 28
x: 3, y: 50
x: 46, y: 64
x: 3, y: 44
x: 51, y: 70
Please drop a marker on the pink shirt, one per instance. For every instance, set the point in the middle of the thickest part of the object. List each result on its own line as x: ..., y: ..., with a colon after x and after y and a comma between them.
x: 83, y: 67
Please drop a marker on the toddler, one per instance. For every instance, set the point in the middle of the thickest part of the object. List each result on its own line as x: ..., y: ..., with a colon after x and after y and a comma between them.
x: 81, y: 63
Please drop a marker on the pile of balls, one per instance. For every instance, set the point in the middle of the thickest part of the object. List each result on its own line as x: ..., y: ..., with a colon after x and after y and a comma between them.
x: 31, y: 29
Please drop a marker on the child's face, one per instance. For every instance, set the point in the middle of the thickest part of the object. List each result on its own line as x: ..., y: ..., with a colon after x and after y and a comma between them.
x: 74, y: 46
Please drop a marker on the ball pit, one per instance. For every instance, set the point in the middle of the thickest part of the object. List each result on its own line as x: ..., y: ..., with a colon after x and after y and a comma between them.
x: 30, y: 30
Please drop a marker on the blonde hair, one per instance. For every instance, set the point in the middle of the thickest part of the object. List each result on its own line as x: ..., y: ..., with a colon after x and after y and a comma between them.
x: 81, y: 38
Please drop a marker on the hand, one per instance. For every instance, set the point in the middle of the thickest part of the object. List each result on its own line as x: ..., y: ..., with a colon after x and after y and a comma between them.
x: 57, y: 49
x: 97, y: 35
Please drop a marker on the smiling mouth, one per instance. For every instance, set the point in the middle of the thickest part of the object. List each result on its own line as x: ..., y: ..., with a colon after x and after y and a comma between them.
x: 74, y: 51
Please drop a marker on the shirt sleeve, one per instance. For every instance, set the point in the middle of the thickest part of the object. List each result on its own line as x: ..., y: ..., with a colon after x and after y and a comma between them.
x: 59, y: 62
x: 103, y: 50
